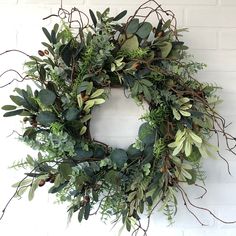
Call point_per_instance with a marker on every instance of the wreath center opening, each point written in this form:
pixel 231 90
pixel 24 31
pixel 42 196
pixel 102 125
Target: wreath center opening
pixel 117 121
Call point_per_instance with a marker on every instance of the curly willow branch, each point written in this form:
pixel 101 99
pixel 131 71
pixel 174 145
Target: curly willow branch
pixel 188 202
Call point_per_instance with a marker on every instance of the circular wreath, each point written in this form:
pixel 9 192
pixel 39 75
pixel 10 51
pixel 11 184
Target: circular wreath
pixel 74 72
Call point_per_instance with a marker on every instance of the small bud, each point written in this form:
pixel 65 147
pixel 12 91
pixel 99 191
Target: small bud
pixel 42 182
pixel 46 52
pixel 41 53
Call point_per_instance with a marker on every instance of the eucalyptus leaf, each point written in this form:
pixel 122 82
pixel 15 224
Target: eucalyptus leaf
pixel 46 118
pixel 72 114
pixel 131 43
pixel 165 48
pixel 119 157
pixel 133 26
pixel 144 30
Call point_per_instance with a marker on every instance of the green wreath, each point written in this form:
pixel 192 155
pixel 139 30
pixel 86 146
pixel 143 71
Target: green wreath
pixel 74 72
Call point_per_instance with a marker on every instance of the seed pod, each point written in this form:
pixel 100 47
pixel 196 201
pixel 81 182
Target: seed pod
pixel 86 199
pixel 41 53
pixel 42 182
pixel 46 52
pixel 52 179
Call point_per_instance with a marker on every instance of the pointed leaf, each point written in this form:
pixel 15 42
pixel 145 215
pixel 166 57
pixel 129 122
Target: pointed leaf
pixel 176 114
pixel 187 148
pixel 120 15
pixel 47 34
pixel 8 107
pixel 195 137
pixel 87 211
pixel 185 113
pixel 13 113
pixel 93 17
pixel 98 101
pixel 97 93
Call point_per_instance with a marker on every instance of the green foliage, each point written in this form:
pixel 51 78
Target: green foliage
pixel 74 74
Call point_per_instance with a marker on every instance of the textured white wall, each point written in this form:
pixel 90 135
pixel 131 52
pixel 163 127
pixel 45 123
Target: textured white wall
pixel 211 37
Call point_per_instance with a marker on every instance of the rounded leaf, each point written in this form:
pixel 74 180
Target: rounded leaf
pixel 144 30
pixel 133 152
pixel 46 118
pixel 47 97
pixel 130 44
pixel 132 26
pixel 72 114
pixel 119 157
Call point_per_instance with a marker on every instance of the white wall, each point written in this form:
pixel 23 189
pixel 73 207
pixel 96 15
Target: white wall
pixel 212 39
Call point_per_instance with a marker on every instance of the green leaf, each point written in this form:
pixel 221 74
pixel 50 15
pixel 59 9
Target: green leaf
pixel 165 49
pixel 187 148
pixel 47 97
pixel 146 82
pixel 13 113
pixel 144 30
pixel 83 130
pixel 97 93
pixel 84 154
pixel 65 170
pixel 46 118
pixel 18 100
pixel 47 34
pixel 57 189
pixel 186 174
pixel 119 157
pixel 133 152
pixel 72 114
pixel 195 137
pixel 193 180
pixel 80 100
pixel 99 152
pixel 9 107
pixel 82 87
pixel 147 94
pixel 120 15
pixel 128 224
pixel 89 105
pixel 98 101
pixel 81 214
pixel 177 149
pixel 93 17
pixel 185 113
pixel 195 155
pixel 86 118
pixel 42 74
pixel 132 26
pixel 176 114
pixel 87 211
pixel 131 44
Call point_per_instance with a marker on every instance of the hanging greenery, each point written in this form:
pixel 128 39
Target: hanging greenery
pixel 74 71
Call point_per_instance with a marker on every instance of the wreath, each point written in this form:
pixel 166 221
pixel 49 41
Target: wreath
pixel 74 72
